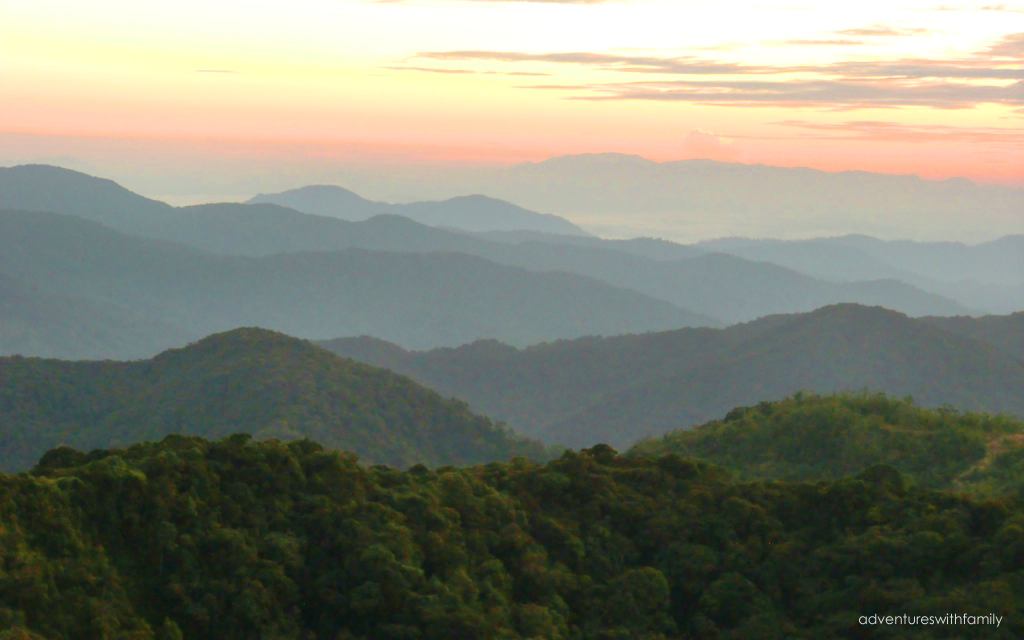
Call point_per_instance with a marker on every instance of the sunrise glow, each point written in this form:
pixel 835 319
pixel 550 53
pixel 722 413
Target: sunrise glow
pixel 915 88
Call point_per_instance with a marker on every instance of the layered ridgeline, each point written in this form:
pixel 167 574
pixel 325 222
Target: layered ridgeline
pixel 248 380
pixel 809 437
pixel 470 213
pixel 49 188
pixel 751 199
pixel 420 300
pixel 731 288
pixel 38 323
pixel 233 540
pixel 620 389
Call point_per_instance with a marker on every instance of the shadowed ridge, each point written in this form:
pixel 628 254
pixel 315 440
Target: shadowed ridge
pixel 246 380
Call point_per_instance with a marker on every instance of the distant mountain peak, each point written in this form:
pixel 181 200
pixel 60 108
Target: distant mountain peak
pixel 603 160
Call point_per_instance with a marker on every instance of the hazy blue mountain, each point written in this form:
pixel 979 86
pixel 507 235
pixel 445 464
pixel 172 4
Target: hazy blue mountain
pixel 36 323
pixel 738 290
pixel 324 200
pixel 997 262
pixel 822 258
pixel 654 248
pixel 713 286
pixel 631 192
pixel 420 300
pixel 246 380
pixel 619 389
pixel 47 188
pixel 986 277
pixel 470 213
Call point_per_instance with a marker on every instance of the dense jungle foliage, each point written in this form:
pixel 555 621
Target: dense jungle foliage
pixel 238 539
pixel 813 437
pixel 251 380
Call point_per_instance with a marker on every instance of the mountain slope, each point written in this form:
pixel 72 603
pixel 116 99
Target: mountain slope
pixel 48 188
pixel 619 389
pixel 246 380
pixel 416 299
pixel 808 438
pixel 616 190
pixel 470 213
pixel 837 348
pixel 35 323
pixel 1006 333
pixel 713 286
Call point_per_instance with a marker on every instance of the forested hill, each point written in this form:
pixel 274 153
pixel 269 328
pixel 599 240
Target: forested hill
pixel 808 437
pixel 248 380
pixel 619 389
pixel 236 540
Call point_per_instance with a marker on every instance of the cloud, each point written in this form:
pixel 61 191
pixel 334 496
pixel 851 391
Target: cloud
pixel 1001 7
pixel 989 7
pixel 824 42
pixel 465 71
pixel 836 94
pixel 921 69
pixel 1009 46
pixel 430 70
pixel 984 77
pixel 682 65
pixel 701 143
pixel 215 71
pixel 884 131
pixel 883 30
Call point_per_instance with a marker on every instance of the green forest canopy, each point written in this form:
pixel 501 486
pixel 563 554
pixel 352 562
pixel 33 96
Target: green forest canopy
pixel 238 539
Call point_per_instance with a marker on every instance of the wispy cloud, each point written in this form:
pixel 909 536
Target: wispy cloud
pixel 681 65
pixel 701 143
pixel 431 70
pixel 1009 46
pixel 822 42
pixel 983 77
pixel 835 94
pixel 880 130
pixel 879 30
pixel 989 7
pixel 464 71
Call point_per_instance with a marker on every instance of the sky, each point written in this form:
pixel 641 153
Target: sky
pixel 194 100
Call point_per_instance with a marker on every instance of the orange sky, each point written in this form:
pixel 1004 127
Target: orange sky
pixel 919 88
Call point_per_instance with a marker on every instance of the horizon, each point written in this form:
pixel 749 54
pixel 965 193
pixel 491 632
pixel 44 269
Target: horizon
pixel 444 188
pixel 406 100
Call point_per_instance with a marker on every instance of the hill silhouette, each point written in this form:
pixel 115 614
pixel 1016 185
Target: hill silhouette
pixel 246 380
pixel 36 323
pixel 809 437
pixel 469 213
pixel 720 289
pixel 623 388
pixel 752 199
pixel 420 300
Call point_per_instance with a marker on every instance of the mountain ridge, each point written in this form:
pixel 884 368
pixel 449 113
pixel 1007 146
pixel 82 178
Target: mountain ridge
pixel 619 389
pixel 251 380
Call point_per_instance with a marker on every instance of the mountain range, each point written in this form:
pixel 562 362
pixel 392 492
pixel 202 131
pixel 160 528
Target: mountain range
pixel 246 380
pixel 711 284
pixel 626 194
pixel 469 213
pixel 417 299
pixel 620 389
